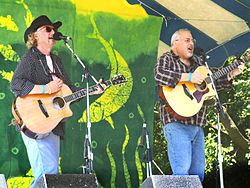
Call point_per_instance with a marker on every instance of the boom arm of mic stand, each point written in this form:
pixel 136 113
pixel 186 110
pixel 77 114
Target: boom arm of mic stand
pixel 84 67
pixel 216 94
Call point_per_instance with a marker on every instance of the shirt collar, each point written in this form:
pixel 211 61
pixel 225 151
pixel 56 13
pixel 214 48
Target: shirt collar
pixel 174 55
pixel 34 49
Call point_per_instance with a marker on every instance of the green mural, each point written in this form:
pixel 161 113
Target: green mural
pixel 113 98
pixel 109 45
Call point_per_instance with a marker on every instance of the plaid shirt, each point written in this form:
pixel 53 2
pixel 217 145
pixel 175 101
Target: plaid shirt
pixel 168 72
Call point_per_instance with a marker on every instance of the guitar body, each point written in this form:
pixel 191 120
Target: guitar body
pixel 186 99
pixel 42 112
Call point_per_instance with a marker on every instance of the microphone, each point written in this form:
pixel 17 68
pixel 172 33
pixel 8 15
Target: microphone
pixel 143 134
pixel 59 36
pixel 199 51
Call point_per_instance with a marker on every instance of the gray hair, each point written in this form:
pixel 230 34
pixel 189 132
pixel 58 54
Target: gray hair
pixel 176 35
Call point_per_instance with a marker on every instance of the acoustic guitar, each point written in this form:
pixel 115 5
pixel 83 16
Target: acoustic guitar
pixel 42 112
pixel 186 99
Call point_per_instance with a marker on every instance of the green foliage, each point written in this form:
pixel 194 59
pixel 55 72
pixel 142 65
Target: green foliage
pixel 212 152
pixel 237 99
pixel 160 155
pixel 247 155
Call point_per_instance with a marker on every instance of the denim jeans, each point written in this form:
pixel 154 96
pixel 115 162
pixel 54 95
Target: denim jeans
pixel 186 149
pixel 43 155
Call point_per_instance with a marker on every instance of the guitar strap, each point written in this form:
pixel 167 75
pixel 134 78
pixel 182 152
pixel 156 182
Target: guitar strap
pixel 18 120
pixel 57 69
pixel 57 72
pixel 162 102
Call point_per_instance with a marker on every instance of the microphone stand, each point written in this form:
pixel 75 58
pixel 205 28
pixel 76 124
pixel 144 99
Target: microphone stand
pixel 88 155
pixel 218 108
pixel 148 155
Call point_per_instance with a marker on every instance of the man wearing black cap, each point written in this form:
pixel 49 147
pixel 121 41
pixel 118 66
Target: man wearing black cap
pixel 41 72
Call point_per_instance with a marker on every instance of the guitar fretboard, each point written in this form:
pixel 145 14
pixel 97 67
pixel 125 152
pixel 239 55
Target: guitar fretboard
pixel 226 70
pixel 83 92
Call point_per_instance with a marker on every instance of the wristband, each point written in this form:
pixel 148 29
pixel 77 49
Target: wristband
pixel 190 77
pixel 43 89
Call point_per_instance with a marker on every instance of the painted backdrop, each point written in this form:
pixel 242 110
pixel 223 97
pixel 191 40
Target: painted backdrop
pixel 111 37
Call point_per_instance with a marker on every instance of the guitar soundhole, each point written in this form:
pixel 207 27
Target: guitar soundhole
pixel 202 86
pixel 58 103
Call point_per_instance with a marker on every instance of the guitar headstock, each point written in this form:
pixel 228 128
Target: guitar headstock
pixel 237 60
pixel 245 59
pixel 118 80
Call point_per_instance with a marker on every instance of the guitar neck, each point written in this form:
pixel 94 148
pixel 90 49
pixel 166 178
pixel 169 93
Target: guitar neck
pixel 83 92
pixel 228 69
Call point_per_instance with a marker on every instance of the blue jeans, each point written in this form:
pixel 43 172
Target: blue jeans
pixel 43 155
pixel 186 149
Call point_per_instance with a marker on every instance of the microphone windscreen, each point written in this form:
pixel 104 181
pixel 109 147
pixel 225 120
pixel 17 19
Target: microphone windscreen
pixel 57 35
pixel 198 51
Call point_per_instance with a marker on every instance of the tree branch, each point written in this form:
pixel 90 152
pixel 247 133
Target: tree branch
pixel 234 132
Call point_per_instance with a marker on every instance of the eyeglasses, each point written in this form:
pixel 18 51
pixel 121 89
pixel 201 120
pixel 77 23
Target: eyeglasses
pixel 48 29
pixel 189 40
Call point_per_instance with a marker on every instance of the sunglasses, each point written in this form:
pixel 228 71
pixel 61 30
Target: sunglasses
pixel 48 29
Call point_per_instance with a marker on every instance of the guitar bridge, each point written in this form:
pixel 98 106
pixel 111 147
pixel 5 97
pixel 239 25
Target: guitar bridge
pixel 199 94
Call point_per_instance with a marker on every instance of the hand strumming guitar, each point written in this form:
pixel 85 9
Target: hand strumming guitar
pixel 54 86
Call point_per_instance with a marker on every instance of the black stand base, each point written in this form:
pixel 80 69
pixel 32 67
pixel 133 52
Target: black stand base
pixel 66 181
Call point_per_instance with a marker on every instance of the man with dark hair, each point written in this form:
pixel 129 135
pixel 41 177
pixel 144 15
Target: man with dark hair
pixel 41 72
